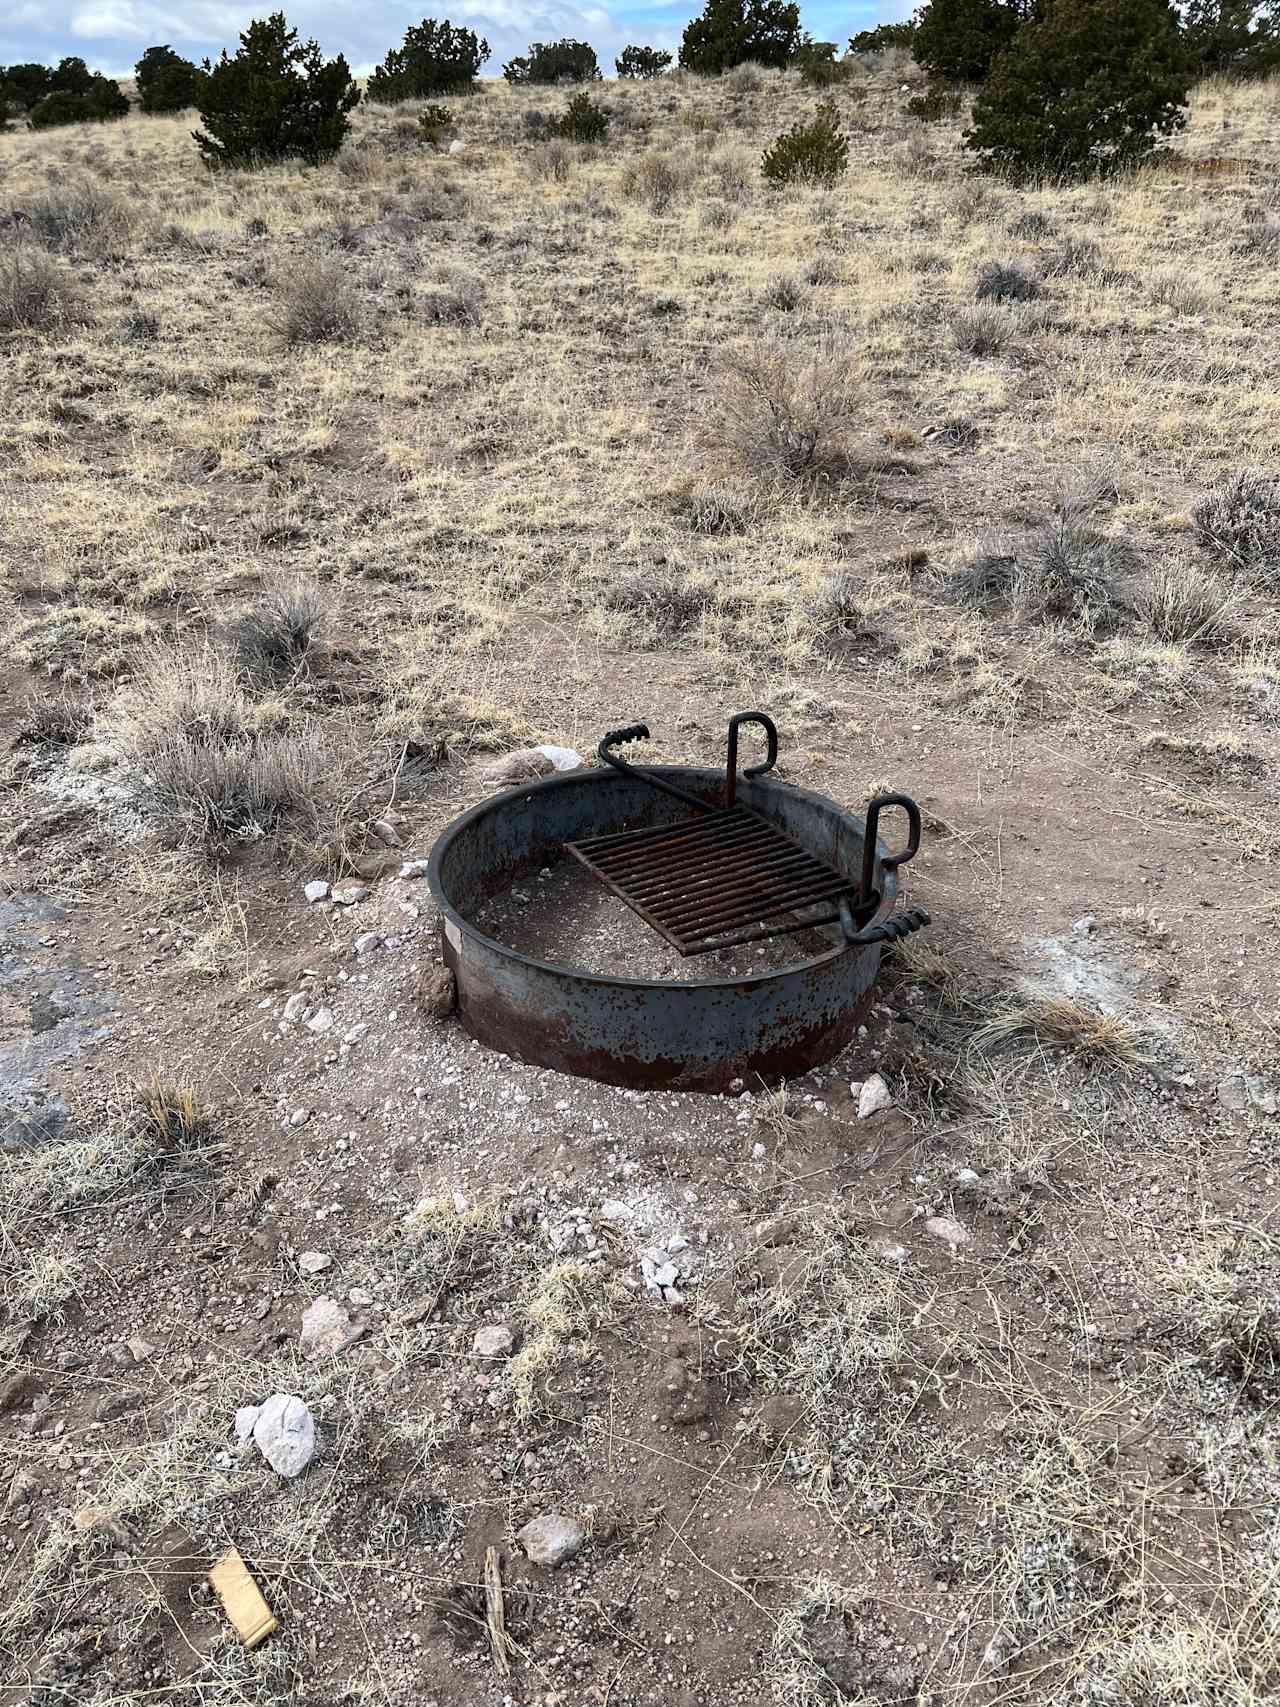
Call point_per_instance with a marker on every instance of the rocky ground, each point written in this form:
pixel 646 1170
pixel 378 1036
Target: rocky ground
pixel 946 1373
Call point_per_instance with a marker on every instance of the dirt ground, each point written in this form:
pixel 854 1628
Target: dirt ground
pixel 971 1400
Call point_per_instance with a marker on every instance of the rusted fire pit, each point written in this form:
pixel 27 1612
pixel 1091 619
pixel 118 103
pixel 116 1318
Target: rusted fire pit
pixel 709 860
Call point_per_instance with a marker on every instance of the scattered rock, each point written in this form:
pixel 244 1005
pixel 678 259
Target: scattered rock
pixel 118 1404
pixel 316 890
pixel 551 1539
pixel 297 1007
pixel 17 1390
pixel 614 1209
pixel 942 1227
pixel 22 1490
pixel 520 766
pixel 415 868
pixel 891 1251
pixel 314 1262
pixel 1240 1092
pixel 968 1176
pixel 874 1095
pixel 436 991
pixel 321 1021
pixel 684 1397
pixel 141 1351
pixel 367 943
pixel 1085 925
pixel 357 1033
pixel 351 894
pixel 283 1431
pixel 326 1329
pixel 300 1117
pixel 495 1341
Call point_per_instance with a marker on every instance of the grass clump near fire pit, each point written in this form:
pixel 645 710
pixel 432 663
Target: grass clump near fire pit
pixel 1062 1023
pixel 558 1315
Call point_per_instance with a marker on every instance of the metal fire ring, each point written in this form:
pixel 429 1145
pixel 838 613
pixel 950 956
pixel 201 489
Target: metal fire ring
pixel 629 1031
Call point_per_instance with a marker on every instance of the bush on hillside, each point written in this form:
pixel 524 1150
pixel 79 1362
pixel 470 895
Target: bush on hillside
pixel 817 64
pixel 435 121
pixel 731 32
pixel 273 99
pixel 565 61
pixel 934 105
pixel 642 62
pixel 167 83
pixel 584 121
pixel 1087 87
pixel 815 153
pixel 958 39
pixel 102 100
pixel 436 59
pixel 883 37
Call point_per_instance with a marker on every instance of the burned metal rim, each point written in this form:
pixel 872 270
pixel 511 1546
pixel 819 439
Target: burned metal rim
pixel 675 1033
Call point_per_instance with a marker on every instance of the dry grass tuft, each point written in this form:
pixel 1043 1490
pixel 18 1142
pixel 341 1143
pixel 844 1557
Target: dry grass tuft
pixel 1240 521
pixel 38 293
pixel 783 416
pixel 278 638
pixel 316 303
pixel 1185 603
pixel 1063 1023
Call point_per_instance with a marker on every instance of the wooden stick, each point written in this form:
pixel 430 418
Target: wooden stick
pixel 495 1612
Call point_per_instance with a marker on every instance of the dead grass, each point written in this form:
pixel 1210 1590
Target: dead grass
pixel 784 415
pixel 1062 1023
pixel 38 293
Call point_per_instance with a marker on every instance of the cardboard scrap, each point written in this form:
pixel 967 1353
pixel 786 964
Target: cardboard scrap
pixel 242 1598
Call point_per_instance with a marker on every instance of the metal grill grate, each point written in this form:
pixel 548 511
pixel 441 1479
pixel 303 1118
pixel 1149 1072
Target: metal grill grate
pixel 711 882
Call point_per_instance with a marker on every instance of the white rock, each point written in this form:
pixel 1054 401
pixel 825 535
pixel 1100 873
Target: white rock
pixel 494 1341
pixel 300 1117
pixel 942 1227
pixel 316 890
pixel 284 1433
pixel 141 1351
pixel 563 758
pixel 321 1020
pixel 415 868
pixel 314 1262
pixel 357 1033
pixel 1085 925
pixel 614 1209
pixel 351 894
pixel 874 1095
pixel 967 1176
pixel 894 1253
pixel 855 1088
pixel 326 1328
pixel 297 1007
pixel 457 147
pixel 551 1539
pixel 246 1416
pixel 665 1274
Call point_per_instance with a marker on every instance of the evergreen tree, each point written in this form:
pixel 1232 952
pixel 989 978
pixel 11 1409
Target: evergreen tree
pixel 730 32
pixel 167 83
pixel 1085 87
pixel 642 62
pixel 565 61
pixel 436 59
pixel 958 39
pixel 1237 37
pixel 274 98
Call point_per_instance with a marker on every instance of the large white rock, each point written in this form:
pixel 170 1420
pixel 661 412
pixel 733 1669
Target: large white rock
pixel 874 1095
pixel 283 1431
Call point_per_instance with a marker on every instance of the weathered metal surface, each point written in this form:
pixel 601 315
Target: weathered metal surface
pixel 678 1035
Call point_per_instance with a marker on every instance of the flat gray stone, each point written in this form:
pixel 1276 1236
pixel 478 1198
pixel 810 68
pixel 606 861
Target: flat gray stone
pixel 874 1095
pixel 326 1328
pixel 497 1340
pixel 551 1539
pixel 316 890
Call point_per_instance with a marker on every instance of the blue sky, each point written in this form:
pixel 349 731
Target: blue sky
pixel 111 34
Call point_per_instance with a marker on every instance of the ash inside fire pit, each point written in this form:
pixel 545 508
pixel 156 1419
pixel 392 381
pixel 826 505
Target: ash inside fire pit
pixel 564 915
